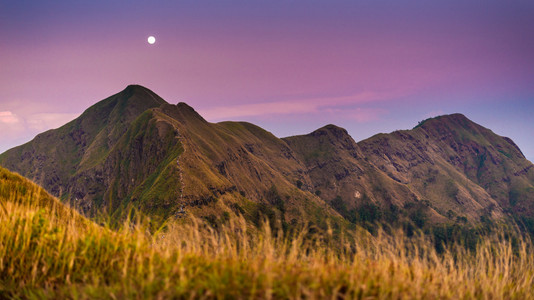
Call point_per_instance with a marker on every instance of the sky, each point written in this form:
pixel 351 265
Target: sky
pixel 289 66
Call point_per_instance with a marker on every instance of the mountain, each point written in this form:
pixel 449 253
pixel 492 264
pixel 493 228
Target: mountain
pixel 134 150
pixel 447 169
pixel 340 173
pixel 459 166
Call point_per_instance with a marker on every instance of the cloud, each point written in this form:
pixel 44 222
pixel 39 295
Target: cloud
pixel 256 109
pixel 360 115
pixel 16 129
pixel 301 106
pixel 8 117
pixel 12 130
pixel 45 121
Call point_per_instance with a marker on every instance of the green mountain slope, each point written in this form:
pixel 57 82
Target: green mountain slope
pixel 340 173
pixel 446 170
pixel 459 166
pixel 53 157
pixel 134 150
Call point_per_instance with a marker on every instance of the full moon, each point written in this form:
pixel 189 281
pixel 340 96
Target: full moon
pixel 151 40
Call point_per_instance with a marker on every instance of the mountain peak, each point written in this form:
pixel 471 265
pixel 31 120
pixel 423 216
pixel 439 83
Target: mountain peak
pixel 125 105
pixel 183 112
pixel 464 128
pixel 331 129
pixel 457 118
pixel 188 111
pixel 452 120
pixel 183 105
pixel 135 86
pixel 135 91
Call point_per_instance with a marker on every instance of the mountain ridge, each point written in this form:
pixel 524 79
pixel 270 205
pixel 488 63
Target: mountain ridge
pixel 133 149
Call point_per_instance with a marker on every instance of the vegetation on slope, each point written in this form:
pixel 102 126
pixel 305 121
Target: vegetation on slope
pixel 461 168
pixel 134 150
pixel 49 251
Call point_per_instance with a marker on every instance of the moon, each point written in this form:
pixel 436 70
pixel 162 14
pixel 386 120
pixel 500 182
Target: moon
pixel 151 40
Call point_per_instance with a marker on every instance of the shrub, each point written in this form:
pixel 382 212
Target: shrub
pixel 339 205
pixel 418 217
pixel 274 198
pixel 369 212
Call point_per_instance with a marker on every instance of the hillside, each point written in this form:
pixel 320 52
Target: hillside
pixel 462 168
pixel 339 172
pixel 17 192
pixel 446 170
pixel 134 150
pixel 49 251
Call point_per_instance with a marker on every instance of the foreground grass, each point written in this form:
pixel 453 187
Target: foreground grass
pixel 49 251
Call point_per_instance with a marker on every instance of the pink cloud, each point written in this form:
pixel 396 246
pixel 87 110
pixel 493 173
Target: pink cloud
pixel 12 128
pixel 8 117
pixel 360 115
pixel 45 121
pixel 303 106
pixel 16 128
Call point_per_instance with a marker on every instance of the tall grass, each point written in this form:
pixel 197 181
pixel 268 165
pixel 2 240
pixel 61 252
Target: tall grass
pixel 48 251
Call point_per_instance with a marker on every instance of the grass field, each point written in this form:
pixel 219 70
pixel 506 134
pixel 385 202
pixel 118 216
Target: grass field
pixel 49 251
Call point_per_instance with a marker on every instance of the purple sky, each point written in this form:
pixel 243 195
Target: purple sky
pixel 289 66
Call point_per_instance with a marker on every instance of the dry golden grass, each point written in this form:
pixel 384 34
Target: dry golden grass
pixel 48 251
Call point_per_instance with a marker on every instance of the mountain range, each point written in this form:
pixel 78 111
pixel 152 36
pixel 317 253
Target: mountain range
pixel 135 150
